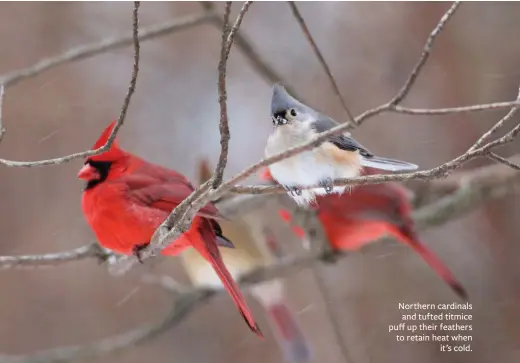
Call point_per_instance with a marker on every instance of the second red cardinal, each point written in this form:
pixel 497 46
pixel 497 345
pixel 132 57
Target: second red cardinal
pixel 368 213
pixel 126 198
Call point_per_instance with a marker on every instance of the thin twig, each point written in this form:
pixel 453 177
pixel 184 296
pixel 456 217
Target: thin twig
pixel 54 259
pixel 119 342
pixel 228 36
pixel 222 100
pixel 317 52
pixel 234 30
pixel 500 159
pixel 403 92
pixel 120 120
pixel 497 126
pixel 475 191
pixel 108 44
pixel 332 316
pixel 450 110
pixel 260 65
pixel 135 72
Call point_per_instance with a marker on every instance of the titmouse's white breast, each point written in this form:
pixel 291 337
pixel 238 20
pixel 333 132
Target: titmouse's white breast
pixel 309 167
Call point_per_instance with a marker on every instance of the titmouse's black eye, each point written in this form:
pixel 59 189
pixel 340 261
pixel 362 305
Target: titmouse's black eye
pixel 292 111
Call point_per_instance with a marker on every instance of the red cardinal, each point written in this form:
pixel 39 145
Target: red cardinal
pixel 126 198
pixel 367 213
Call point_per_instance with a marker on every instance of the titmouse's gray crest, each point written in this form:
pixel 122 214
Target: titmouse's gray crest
pixel 341 156
pixel 282 103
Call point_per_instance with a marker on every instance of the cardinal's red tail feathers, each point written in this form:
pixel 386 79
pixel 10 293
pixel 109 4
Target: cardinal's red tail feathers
pixel 288 333
pixel 437 265
pixel 206 246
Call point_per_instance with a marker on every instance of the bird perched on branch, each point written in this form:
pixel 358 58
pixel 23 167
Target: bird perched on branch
pixel 367 214
pixel 126 199
pixel 340 156
pixel 255 246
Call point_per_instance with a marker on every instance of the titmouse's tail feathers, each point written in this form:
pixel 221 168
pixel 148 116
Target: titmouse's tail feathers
pixel 378 162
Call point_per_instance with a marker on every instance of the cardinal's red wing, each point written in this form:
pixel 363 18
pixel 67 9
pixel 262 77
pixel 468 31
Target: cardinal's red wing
pixel 163 194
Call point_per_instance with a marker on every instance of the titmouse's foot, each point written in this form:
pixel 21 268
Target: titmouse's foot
pixel 136 250
pixel 328 185
pixel 293 190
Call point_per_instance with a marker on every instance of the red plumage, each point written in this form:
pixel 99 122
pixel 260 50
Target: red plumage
pixel 368 213
pixel 127 198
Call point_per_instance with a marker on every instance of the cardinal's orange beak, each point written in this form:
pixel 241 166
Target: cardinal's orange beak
pixel 88 172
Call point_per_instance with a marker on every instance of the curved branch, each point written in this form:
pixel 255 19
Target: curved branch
pixel 299 18
pixel 504 161
pixel 89 50
pixel 96 48
pixel 476 189
pixel 115 343
pixel 403 92
pixel 54 259
pixel 228 36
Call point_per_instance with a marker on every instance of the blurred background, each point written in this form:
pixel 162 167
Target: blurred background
pixel 173 120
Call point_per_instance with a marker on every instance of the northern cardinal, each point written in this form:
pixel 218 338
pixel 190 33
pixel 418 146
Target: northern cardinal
pixel 368 213
pixel 255 246
pixel 126 198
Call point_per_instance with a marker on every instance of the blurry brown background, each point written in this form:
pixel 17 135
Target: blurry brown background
pixel 173 119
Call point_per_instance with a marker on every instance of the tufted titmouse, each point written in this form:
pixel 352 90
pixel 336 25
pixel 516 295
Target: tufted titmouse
pixel 340 157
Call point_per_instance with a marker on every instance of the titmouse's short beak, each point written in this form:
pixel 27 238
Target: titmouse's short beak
pixel 88 172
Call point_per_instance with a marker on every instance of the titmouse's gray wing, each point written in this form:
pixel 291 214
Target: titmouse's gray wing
pixel 342 141
pixel 347 143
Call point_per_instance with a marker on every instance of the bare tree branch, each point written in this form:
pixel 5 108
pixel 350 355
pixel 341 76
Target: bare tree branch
pixel 92 250
pixel 447 208
pixel 480 187
pixel 228 36
pixel 451 110
pixel 233 32
pixel 500 159
pixel 317 52
pixel 108 44
pixel 495 180
pixel 120 120
pixel 260 65
pixel 181 217
pixel 475 191
pixel 333 318
pixel 403 92
pixel 497 126
pixel 222 100
pixel 119 342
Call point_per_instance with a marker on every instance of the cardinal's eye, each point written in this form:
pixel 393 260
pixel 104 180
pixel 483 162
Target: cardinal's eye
pixel 292 112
